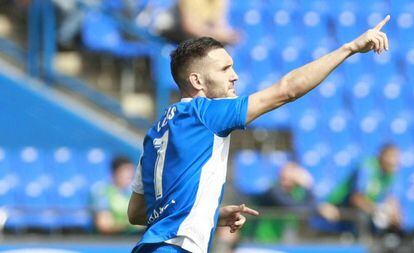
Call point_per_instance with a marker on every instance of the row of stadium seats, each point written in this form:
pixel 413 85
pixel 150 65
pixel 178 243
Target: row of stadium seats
pixel 279 35
pixel 50 188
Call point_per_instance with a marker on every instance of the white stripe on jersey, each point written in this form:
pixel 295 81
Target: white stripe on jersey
pixel 200 220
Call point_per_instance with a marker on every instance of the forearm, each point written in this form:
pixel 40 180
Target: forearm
pixel 296 83
pixel 362 203
pixel 136 210
pixel 301 80
pixel 138 219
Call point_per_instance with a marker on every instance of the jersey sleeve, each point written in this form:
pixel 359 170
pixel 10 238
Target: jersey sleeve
pixel 223 115
pixel 137 186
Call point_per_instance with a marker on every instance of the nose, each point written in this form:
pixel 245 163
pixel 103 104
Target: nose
pixel 234 76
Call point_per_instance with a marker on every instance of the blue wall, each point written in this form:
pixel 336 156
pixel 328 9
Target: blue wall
pixel 34 116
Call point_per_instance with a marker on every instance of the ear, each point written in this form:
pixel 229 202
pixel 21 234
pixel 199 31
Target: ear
pixel 196 81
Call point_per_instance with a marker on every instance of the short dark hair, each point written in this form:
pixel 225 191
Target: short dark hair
pixel 387 146
pixel 118 161
pixel 186 52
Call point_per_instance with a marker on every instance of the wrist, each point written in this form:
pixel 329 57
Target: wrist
pixel 348 48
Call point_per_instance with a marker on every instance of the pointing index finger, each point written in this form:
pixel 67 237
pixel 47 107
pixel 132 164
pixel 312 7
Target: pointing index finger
pixel 382 23
pixel 250 211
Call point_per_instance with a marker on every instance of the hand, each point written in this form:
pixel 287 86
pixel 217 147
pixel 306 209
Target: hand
pixel 232 216
pixel 373 39
pixel 329 212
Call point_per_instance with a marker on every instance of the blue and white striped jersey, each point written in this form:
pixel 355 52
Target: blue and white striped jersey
pixel 183 169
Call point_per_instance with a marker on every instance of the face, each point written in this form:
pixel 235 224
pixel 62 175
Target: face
pixel 123 175
pixel 389 159
pixel 218 75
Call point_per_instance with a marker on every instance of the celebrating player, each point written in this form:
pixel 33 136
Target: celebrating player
pixel 179 182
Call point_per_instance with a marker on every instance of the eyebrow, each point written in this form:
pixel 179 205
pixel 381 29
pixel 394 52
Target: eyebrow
pixel 227 66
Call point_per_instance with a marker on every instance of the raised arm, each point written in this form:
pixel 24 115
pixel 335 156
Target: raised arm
pixel 301 80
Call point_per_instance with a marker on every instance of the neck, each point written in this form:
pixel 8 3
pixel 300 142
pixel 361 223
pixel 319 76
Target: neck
pixel 192 94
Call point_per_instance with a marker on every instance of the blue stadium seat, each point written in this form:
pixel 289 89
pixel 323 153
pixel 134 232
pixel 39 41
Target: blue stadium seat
pixel 399 127
pixel 19 219
pixel 405 24
pixel 339 129
pixel 80 218
pixel 394 95
pixel 261 62
pixel 307 129
pixel 245 85
pixel 34 180
pixel 294 54
pixel 329 96
pixel 32 208
pixel 370 127
pixel 322 46
pixel 314 157
pixel 275 160
pixel 407 156
pixel 252 24
pixel 70 191
pixel 321 6
pixel 100 33
pixel 354 68
pixel 376 11
pixel 95 163
pixel 250 176
pixel 338 166
pixel 51 192
pixel 362 95
pixel 348 24
pixel 237 11
pixel 282 21
pixel 384 65
pixel 8 179
pixel 408 57
pixel 279 119
pixel 314 26
pixel 401 6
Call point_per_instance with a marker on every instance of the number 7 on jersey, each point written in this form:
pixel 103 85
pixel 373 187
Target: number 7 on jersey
pixel 161 145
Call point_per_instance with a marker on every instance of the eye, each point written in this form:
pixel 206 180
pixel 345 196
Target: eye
pixel 226 68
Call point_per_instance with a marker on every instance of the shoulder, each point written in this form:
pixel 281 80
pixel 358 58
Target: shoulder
pixel 370 166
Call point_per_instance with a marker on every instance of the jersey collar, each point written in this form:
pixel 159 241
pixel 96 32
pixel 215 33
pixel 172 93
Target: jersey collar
pixel 186 99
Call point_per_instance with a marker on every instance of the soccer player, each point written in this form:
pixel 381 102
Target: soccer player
pixel 179 181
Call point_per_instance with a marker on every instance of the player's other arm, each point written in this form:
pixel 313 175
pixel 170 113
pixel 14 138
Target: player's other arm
pixel 136 209
pixel 301 80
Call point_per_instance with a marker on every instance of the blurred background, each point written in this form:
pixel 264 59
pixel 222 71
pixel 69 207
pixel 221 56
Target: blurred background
pixel 82 80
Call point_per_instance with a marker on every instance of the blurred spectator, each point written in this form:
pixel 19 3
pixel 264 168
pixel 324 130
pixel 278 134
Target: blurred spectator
pixel 329 218
pixel 292 190
pixel 110 202
pixel 374 183
pixel 197 18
